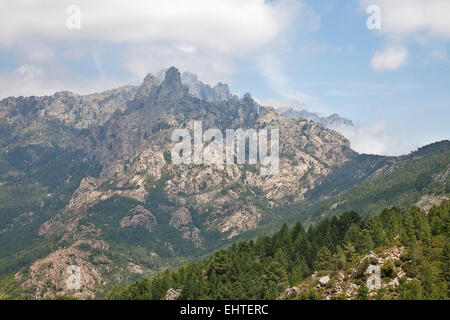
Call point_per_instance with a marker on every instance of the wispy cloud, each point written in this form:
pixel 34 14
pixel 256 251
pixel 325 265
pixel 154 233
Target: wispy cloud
pixel 403 18
pixel 408 21
pixel 29 79
pixel 203 36
pixel 389 59
pixel 272 68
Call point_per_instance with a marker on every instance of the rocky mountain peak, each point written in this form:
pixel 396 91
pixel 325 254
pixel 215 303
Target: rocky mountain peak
pixel 64 94
pixel 188 77
pixel 267 110
pixel 157 92
pixel 171 88
pixel 150 81
pixel 222 91
pixel 172 74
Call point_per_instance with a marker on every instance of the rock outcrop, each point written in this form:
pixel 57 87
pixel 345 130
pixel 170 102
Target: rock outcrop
pixel 140 217
pixel 383 270
pixel 172 294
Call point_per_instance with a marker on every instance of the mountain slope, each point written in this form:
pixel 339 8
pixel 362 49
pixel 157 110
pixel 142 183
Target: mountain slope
pixel 102 193
pixel 398 181
pixel 329 261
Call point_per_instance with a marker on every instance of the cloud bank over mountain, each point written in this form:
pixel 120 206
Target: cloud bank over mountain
pixel 206 37
pixel 372 138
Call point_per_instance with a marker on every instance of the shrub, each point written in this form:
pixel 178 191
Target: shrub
pixel 410 269
pixel 363 292
pixel 388 270
pixel 361 269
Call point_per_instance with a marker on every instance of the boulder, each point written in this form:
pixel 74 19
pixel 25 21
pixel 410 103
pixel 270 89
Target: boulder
pixel 172 294
pixel 324 280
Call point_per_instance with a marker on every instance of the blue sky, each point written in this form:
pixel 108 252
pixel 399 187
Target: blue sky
pixel 393 82
pixel 331 66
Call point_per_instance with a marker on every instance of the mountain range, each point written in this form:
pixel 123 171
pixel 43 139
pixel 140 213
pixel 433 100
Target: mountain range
pixel 88 181
pixel 333 121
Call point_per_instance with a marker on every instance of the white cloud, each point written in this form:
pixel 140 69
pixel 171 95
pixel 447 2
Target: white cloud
pixel 285 103
pixel 28 80
pixel 405 21
pixel 28 72
pixel 273 70
pixel 402 18
pixel 40 54
pixel 375 138
pixel 203 36
pixel 227 25
pixel 389 59
pixel 209 65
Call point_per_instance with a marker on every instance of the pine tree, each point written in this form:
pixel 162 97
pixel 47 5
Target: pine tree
pixel 323 258
pixel 340 258
pixel 363 292
pixel 410 290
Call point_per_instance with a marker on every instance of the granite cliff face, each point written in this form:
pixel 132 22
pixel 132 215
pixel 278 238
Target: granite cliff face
pixel 69 108
pixel 220 92
pixel 133 147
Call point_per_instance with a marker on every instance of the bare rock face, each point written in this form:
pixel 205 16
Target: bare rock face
pixel 345 283
pixel 70 108
pixel 134 268
pixel 150 82
pixel 172 294
pixel 308 153
pixel 171 88
pixel 180 218
pixel 324 280
pixel 140 217
pixel 429 201
pixel 333 121
pixel 220 92
pixel 49 276
pixel 241 220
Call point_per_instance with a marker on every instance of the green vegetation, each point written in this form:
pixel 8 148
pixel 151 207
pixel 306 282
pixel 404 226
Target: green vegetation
pixel 359 185
pixel 407 180
pixel 38 181
pixel 264 268
pixel 49 178
pixel 10 289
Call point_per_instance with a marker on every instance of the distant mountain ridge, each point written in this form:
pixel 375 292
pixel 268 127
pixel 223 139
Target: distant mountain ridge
pixel 331 122
pixel 220 92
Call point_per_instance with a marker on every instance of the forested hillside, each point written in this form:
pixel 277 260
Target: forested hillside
pixel 370 183
pixel 340 246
